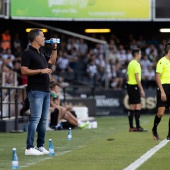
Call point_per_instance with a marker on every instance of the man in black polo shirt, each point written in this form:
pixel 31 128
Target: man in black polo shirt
pixel 34 64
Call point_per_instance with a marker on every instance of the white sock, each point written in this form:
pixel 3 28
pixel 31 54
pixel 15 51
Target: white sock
pixel 79 122
pixel 58 124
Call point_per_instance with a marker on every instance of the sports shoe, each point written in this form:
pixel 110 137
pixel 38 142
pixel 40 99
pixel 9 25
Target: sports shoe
pixel 132 129
pixel 33 151
pixel 155 135
pixel 57 128
pixel 43 150
pixel 140 129
pixel 84 125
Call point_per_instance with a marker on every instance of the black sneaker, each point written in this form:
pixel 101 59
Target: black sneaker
pixel 132 129
pixel 59 127
pixel 168 137
pixel 140 129
pixel 155 135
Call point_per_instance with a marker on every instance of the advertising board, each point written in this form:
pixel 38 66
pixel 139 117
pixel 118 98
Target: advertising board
pixel 112 102
pixel 81 9
pixel 161 10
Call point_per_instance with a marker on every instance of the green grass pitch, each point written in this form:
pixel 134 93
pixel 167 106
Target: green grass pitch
pixel 108 147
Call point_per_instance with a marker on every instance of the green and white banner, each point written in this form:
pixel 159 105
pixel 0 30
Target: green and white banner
pixel 81 9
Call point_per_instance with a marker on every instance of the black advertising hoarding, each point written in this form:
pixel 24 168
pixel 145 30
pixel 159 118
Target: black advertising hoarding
pixel 161 10
pixel 111 102
pixel 117 102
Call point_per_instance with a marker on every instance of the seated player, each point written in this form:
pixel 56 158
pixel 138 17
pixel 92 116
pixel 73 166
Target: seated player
pixel 61 113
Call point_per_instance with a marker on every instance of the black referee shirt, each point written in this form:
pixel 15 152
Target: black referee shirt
pixel 34 60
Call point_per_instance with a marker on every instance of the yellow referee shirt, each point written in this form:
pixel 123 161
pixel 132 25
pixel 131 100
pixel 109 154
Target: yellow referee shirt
pixel 163 67
pixel 133 68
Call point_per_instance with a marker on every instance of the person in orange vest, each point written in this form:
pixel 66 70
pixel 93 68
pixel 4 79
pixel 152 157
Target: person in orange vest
pixel 6 40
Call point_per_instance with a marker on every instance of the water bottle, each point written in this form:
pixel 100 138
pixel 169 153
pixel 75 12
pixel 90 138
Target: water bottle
pixel 52 41
pixel 69 134
pixel 14 159
pixel 51 148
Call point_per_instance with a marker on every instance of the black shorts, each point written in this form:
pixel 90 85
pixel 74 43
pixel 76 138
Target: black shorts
pixel 134 94
pixel 160 103
pixel 54 118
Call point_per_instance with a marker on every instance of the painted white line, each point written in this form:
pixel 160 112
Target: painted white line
pixel 56 154
pixel 33 163
pixel 146 156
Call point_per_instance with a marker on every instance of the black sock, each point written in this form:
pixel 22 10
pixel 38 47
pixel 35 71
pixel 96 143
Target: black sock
pixel 137 117
pixel 156 122
pixel 130 117
pixel 169 128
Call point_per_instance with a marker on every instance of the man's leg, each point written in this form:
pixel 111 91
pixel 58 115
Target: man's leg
pixel 41 129
pixel 130 117
pixel 168 137
pixel 75 122
pixel 35 114
pixel 71 119
pixel 131 114
pixel 62 113
pixel 133 96
pixel 36 101
pixel 157 120
pixel 137 118
pixel 54 118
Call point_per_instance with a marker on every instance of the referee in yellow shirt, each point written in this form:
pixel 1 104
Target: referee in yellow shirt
pixel 135 91
pixel 163 90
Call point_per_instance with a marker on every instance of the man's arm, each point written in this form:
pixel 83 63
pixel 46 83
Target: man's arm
pixel 28 72
pixel 53 104
pixel 158 81
pixel 53 56
pixel 139 85
pixel 127 78
pixel 58 98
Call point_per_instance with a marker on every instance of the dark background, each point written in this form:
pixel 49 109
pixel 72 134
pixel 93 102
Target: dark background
pixel 149 29
pixel 162 8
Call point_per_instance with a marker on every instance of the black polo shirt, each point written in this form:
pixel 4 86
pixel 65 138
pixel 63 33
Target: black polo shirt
pixel 34 60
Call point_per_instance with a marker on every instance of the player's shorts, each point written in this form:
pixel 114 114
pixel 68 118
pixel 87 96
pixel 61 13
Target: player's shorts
pixel 134 94
pixel 160 103
pixel 54 118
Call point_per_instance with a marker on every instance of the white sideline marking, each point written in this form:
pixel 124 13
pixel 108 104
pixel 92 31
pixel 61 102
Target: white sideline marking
pixel 58 154
pixel 146 156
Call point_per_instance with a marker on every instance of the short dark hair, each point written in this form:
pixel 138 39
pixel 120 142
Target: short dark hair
pixel 135 51
pixel 33 33
pixel 167 47
pixel 53 84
